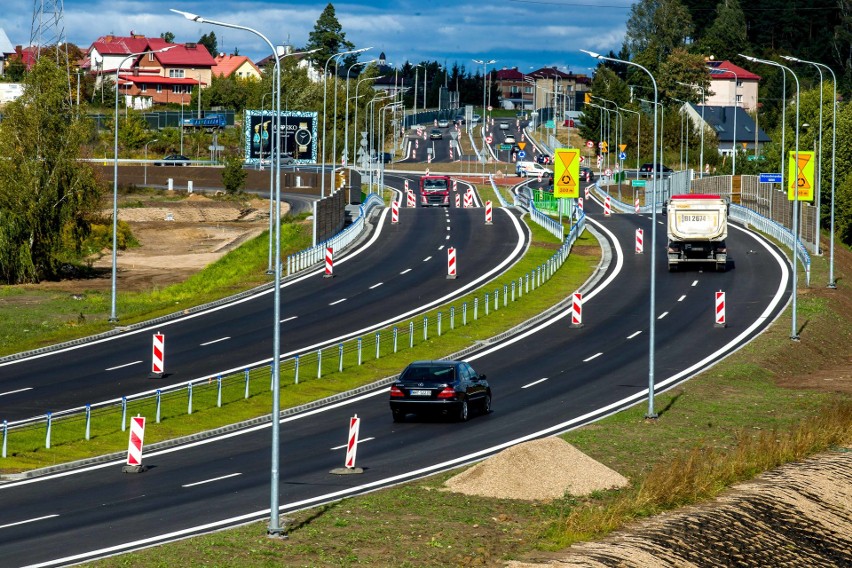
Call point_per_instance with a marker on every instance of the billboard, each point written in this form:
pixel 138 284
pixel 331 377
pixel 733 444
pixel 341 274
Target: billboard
pixel 298 135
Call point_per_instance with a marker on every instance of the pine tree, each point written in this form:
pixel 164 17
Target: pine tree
pixel 727 36
pixel 328 37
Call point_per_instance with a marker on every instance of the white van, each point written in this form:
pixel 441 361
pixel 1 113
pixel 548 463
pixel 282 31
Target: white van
pixel 525 169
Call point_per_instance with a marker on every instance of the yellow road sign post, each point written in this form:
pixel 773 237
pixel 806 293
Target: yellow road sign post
pixel 803 181
pixel 566 172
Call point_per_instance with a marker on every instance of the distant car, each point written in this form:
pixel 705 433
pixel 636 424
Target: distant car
pixel 459 120
pixel 543 159
pixel 436 134
pixel 387 157
pixel 287 159
pixel 443 123
pixel 173 160
pixel 447 388
pixel 476 118
pixel 504 126
pixel 510 139
pixel 646 170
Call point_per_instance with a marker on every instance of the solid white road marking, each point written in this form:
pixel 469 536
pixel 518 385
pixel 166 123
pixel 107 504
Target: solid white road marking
pixel 215 341
pixel 360 441
pixel 534 383
pixel 211 480
pixel 682 298
pixel 662 315
pixel 27 521
pixel 406 270
pixel 376 285
pixel 123 366
pixel 634 334
pixel 288 319
pixel 595 356
pixel 337 301
pixel 15 391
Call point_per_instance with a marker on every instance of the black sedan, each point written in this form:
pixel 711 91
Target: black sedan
pixel 436 134
pixel 173 160
pixel 646 170
pixel 448 388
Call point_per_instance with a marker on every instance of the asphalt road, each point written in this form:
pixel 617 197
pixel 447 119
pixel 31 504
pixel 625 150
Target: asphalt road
pixel 547 380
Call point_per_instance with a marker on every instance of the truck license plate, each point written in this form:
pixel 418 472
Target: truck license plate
pixel 420 393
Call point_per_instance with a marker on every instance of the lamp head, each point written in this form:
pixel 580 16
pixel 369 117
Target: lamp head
pixel 748 57
pixel 791 58
pixel 188 16
pixel 592 53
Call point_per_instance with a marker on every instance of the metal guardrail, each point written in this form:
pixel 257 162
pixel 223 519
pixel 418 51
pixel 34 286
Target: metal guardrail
pixel 307 258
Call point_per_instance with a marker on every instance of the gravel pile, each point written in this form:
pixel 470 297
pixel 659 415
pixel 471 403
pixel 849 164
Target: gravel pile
pixel 542 469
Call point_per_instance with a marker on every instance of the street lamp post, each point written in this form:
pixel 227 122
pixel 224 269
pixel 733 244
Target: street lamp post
pixel 112 315
pixel 736 106
pixel 701 161
pixel 145 177
pixel 355 134
pixel 484 93
pixel 794 253
pixel 346 120
pixel 638 136
pixel 831 282
pixel 274 529
pixel 324 99
pixel 390 107
pixel 650 414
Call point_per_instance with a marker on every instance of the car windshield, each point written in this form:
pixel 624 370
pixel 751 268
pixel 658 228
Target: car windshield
pixel 431 373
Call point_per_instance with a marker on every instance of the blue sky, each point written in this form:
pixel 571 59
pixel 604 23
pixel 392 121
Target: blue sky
pixel 526 34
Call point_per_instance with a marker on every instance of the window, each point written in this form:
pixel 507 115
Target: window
pixel 159 88
pixel 176 89
pixel 143 88
pixel 150 57
pixel 739 99
pixel 176 73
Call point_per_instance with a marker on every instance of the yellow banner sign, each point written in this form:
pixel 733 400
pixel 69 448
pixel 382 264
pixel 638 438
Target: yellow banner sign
pixel 566 172
pixel 802 182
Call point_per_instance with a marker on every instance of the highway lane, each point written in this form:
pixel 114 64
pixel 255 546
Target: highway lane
pixel 547 380
pixel 403 271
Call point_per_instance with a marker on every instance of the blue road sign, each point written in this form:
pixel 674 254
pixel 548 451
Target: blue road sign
pixel 622 156
pixel 522 155
pixel 770 178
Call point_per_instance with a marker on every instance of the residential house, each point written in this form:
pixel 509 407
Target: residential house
pixel 164 77
pixel 544 87
pixel 721 119
pixel 513 91
pixel 731 85
pixel 238 66
pixel 7 50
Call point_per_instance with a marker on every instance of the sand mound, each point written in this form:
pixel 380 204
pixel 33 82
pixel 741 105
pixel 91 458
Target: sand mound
pixel 536 470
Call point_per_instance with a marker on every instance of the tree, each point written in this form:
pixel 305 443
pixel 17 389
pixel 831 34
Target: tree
pixel 683 67
pixel 328 38
pixel 655 28
pixel 728 35
pixel 209 41
pixel 234 175
pixel 168 37
pixel 46 195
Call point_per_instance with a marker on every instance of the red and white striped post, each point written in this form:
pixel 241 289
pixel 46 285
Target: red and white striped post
pixel 577 310
pixel 329 263
pixel 451 153
pixel 158 356
pixel 586 192
pixel 539 177
pixel 720 310
pixel 395 212
pixel 468 199
pixel 134 446
pixel 451 263
pixel 580 203
pixel 640 245
pixel 410 198
pixel 352 443
pixel 636 205
pixel 406 185
pixel 607 207
pixel 455 185
pixel 487 212
pixel 458 201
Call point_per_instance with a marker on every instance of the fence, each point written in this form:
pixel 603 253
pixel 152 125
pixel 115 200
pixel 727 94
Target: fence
pixel 216 391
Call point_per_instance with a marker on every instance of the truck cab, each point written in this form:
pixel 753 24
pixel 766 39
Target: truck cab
pixel 435 191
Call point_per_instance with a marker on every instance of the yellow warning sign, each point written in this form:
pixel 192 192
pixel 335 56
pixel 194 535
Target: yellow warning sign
pixel 622 147
pixel 522 145
pixel 803 180
pixel 566 172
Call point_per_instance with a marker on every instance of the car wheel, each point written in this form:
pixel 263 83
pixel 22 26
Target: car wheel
pixel 463 411
pixel 398 415
pixel 486 404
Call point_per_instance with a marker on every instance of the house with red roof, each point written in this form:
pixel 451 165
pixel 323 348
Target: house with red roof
pixel 151 78
pixel 731 85
pixel 239 66
pixel 536 89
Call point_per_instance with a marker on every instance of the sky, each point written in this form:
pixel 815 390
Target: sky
pixel 527 34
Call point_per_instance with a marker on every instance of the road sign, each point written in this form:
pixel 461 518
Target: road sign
pixel 488 139
pixel 622 156
pixel 566 172
pixel 770 178
pixel 490 108
pixel 522 145
pixel 522 155
pixel 590 144
pixel 548 124
pixel 638 182
pixel 607 172
pixel 803 181
pixel 505 147
pixel 622 147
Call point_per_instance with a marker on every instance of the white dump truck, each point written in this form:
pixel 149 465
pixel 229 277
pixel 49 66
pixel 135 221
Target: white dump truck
pixel 697 229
